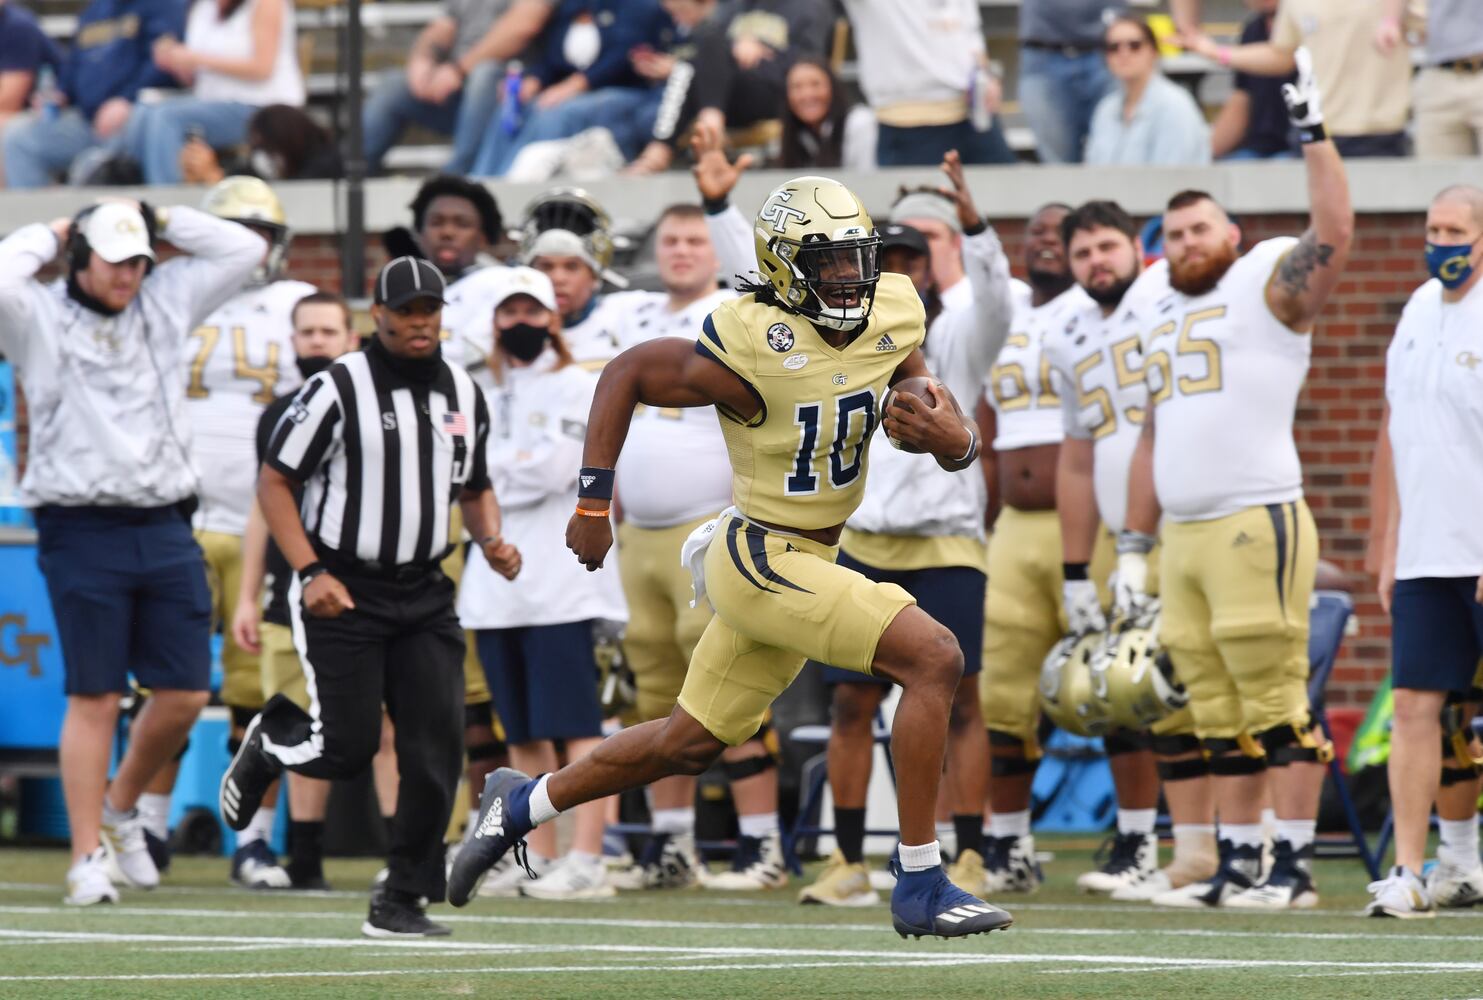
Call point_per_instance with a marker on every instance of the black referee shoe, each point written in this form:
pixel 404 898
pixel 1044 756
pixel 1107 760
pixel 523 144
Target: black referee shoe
pixel 394 916
pixel 247 778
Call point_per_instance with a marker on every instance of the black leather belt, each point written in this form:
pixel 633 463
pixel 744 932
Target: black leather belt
pixel 1472 64
pixel 1067 49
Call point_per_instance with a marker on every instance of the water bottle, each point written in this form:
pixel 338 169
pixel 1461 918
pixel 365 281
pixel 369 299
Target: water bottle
pixel 511 115
pixel 979 82
pixel 47 93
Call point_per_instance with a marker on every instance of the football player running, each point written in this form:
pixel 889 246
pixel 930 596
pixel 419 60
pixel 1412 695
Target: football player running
pixel 793 369
pixel 1023 618
pixel 1099 356
pixel 1239 544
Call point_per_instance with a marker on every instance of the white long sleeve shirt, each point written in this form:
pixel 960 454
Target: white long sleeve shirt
pixel 104 393
pixel 537 425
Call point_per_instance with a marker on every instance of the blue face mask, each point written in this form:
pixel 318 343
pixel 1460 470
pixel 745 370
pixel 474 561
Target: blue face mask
pixel 1450 264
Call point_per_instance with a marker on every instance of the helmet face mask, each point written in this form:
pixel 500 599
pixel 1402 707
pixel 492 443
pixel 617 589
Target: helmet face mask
pixel 818 249
pixel 1067 683
pixel 574 211
pixel 1133 678
pixel 251 202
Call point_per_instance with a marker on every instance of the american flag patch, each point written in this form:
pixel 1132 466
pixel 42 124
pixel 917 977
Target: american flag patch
pixel 455 423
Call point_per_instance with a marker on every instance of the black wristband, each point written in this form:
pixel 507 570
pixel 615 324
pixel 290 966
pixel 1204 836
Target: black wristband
pixel 977 227
pixel 309 572
pixel 715 206
pixel 594 484
pixel 1311 133
pixel 1074 571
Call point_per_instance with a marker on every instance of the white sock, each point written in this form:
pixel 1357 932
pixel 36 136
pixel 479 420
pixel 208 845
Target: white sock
pixel 673 821
pixel 586 858
pixel 1459 846
pixel 260 827
pixel 1015 824
pixel 541 809
pixel 1269 822
pixel 1297 832
pixel 921 858
pixel 1242 834
pixel 1136 820
pixel 760 825
pixel 154 809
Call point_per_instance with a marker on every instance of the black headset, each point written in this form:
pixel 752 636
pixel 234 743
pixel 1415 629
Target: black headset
pixel 77 250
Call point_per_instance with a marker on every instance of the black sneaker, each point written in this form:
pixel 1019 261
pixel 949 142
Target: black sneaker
pixel 247 778
pixel 393 916
pixel 159 851
pixel 1240 869
pixel 306 878
pixel 499 831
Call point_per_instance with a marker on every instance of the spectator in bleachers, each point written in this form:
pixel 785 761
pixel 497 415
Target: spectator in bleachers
pixel 24 49
pixel 238 56
pixel 1366 116
pixel 110 61
pixel 1148 119
pixel 587 52
pixel 453 78
pixel 1062 72
pixel 1449 89
pixel 283 144
pixel 925 72
pixel 742 56
pixel 820 129
pixel 1253 123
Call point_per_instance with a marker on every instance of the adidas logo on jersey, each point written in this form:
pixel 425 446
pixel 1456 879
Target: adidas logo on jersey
pixel 493 823
pixel 885 343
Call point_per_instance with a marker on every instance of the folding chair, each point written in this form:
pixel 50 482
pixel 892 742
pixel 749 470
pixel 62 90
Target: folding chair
pixel 1327 618
pixel 815 777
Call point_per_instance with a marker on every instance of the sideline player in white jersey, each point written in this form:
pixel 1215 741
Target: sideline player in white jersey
pixel 236 363
pixel 1023 617
pixel 1099 356
pixel 1239 544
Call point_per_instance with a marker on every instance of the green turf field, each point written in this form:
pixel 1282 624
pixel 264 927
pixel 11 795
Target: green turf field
pixel 197 937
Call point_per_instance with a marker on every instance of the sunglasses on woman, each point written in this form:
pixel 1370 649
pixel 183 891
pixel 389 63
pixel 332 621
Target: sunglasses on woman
pixel 1131 44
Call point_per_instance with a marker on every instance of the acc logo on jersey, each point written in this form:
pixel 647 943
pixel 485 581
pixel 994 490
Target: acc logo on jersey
pixel 793 362
pixel 780 337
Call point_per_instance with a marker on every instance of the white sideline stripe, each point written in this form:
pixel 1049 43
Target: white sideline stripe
pixel 644 924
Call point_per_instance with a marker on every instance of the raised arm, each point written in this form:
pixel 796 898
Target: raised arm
pixel 668 371
pixel 1304 278
pixel 220 257
pixel 715 177
pixel 22 254
pixel 977 334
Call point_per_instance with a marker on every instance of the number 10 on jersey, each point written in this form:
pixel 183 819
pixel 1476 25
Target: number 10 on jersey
pixel 854 420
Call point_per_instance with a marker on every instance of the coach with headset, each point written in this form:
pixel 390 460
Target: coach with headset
pixel 110 478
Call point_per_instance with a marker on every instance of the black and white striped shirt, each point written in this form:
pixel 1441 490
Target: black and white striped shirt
pixel 382 459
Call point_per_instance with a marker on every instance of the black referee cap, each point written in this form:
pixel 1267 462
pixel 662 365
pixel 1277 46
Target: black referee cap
pixel 896 234
pixel 407 279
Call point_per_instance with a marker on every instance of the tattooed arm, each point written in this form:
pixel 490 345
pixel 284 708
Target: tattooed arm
pixel 1305 277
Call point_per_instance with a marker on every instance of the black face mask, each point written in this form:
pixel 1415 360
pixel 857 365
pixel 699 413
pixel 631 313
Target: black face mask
pixel 310 367
pixel 524 342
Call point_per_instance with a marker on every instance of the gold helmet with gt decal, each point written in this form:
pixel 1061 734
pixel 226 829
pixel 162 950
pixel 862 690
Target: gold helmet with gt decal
pixel 249 201
pixel 1133 679
pixel 1066 681
pixel 818 249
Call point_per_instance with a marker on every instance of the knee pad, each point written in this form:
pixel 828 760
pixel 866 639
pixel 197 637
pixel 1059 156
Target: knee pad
pixel 1296 742
pixel 1008 765
pixel 768 737
pixel 1121 741
pixel 1229 757
pixel 750 767
pixel 242 717
pixel 1183 770
pixel 1458 775
pixel 1458 741
pixel 1175 745
pixel 480 715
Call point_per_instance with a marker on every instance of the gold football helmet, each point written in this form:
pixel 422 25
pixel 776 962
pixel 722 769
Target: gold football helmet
pixel 818 249
pixel 1066 694
pixel 1133 678
pixel 251 202
pixel 587 230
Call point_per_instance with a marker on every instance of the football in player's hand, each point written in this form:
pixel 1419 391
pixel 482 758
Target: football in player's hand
pixel 922 388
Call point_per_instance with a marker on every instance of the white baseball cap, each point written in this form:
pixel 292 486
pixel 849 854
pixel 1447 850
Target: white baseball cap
pixel 116 232
pixel 526 281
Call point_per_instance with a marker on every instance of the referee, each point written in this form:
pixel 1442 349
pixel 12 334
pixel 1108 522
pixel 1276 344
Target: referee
pixel 382 444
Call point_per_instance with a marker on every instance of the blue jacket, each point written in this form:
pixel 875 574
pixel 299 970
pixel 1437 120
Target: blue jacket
pixel 111 52
pixel 621 25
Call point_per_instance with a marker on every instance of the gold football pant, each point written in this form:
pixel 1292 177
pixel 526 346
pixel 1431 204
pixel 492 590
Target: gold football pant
pixel 242 684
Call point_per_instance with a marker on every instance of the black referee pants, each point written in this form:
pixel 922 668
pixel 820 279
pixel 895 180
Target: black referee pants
pixel 400 645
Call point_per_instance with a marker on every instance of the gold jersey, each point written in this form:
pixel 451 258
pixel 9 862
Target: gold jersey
pixel 801 460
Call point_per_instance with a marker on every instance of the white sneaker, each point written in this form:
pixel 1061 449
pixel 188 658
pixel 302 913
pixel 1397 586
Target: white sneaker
pixel 505 880
pixel 1288 885
pixel 88 882
pixel 1134 858
pixel 1156 884
pixel 1400 894
pixel 571 878
pixel 122 835
pixel 669 861
pixel 1452 888
pixel 758 864
pixel 255 867
pixel 1010 865
pixel 1240 869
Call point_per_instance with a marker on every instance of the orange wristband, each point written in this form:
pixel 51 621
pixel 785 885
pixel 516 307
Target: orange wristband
pixel 584 512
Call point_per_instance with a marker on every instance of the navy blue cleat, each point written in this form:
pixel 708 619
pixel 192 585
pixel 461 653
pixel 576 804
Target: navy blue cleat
pixel 504 820
pixel 927 904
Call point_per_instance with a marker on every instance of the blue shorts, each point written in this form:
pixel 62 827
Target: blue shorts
pixel 1436 633
pixel 954 595
pixel 543 679
pixel 128 589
